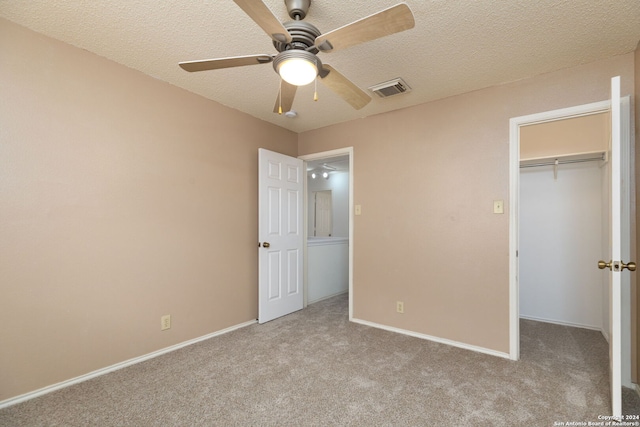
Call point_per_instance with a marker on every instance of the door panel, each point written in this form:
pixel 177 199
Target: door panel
pixel 274 275
pixel 294 270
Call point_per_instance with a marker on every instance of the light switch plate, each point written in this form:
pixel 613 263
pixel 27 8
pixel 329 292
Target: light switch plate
pixel 498 206
pixel 358 210
pixel 165 322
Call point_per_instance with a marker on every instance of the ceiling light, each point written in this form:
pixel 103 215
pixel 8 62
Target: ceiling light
pixel 325 175
pixel 297 67
pixel 313 175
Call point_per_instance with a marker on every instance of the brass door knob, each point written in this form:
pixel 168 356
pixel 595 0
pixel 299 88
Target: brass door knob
pixel 630 266
pixel 602 265
pixel 266 245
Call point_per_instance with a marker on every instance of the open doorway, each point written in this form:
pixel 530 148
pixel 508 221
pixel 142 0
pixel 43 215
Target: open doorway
pixel 517 124
pixel 328 227
pixel 563 199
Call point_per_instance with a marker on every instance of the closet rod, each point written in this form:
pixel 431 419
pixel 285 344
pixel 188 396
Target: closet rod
pixel 562 162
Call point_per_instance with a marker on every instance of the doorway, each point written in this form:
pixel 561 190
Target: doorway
pixel 563 199
pixel 516 125
pixel 328 165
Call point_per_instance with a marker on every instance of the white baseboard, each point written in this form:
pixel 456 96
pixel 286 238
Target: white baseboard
pixel 573 325
pixel 434 339
pixel 328 296
pixel 560 322
pixel 33 394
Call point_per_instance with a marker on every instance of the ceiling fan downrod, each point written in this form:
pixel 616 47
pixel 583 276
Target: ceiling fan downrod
pixel 297 8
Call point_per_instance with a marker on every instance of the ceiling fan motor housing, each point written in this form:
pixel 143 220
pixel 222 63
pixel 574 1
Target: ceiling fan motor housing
pixel 303 36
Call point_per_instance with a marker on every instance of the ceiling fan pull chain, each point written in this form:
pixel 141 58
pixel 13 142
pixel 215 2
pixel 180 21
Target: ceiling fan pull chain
pixel 280 99
pixel 315 92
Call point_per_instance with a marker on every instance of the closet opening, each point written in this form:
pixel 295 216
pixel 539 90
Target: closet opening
pixel 563 221
pixel 572 160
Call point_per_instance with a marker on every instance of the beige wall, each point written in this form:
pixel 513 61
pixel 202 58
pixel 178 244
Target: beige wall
pixel 426 178
pixel 122 199
pixel 577 135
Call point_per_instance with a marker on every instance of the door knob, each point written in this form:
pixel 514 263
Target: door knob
pixel 266 245
pixel 602 265
pixel 630 266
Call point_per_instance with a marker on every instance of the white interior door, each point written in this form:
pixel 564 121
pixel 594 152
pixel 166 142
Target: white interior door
pixel 280 234
pixel 615 265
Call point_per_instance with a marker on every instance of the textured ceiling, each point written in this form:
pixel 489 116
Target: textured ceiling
pixel 455 47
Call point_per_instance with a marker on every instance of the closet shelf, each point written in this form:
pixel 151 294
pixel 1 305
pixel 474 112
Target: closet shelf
pixel 564 159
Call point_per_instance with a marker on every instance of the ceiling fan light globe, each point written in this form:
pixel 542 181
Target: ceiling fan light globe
pixel 297 67
pixel 298 71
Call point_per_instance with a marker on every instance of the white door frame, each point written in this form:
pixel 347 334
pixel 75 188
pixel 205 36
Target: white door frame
pixel 514 201
pixel 318 156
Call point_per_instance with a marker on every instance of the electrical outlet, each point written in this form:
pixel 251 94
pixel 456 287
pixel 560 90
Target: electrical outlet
pixel 399 306
pixel 165 322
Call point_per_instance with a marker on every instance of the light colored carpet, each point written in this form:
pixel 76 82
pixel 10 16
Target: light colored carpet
pixel 315 368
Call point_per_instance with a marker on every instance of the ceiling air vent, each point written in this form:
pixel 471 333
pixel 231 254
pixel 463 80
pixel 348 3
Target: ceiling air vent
pixel 390 88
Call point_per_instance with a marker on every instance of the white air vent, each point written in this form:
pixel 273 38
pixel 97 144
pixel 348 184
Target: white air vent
pixel 390 88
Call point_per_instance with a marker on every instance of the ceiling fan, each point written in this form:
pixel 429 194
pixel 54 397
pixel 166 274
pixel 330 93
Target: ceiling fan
pixel 298 44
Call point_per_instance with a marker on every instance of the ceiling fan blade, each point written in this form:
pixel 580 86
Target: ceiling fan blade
pixel 389 21
pixel 285 97
pixel 345 88
pixel 216 64
pixel 260 13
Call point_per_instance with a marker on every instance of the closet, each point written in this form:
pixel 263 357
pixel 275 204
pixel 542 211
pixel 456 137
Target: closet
pixel 563 221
